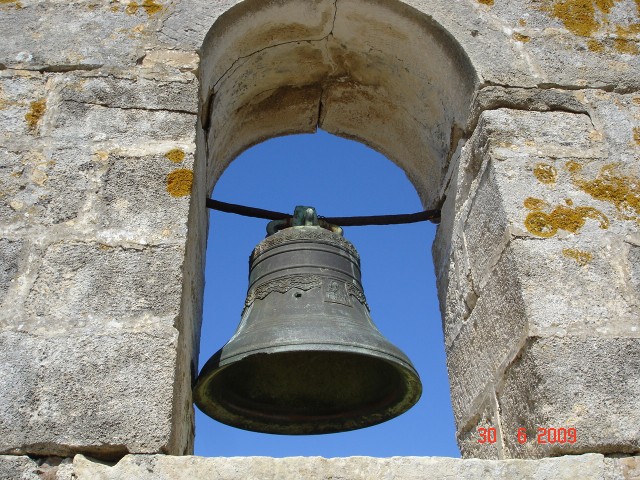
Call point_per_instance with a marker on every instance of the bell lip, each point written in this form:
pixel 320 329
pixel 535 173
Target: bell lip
pixel 307 346
pixel 210 371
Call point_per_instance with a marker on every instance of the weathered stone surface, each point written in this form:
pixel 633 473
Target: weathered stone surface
pixel 107 391
pixel 10 253
pixel 18 468
pixel 627 468
pixel 14 467
pixel 158 467
pixel 589 383
pixel 487 340
pixel 80 283
pixel 126 212
pixel 94 34
pixel 171 95
pixel 509 280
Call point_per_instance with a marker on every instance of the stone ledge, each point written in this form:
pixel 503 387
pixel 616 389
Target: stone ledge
pixel 589 466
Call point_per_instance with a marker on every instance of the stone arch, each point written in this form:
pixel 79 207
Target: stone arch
pixel 379 72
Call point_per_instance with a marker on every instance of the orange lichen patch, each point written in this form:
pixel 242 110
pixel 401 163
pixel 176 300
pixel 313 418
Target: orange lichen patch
pixel 636 135
pixel 621 190
pixel 622 45
pixel 579 256
pixel 545 173
pixel 520 37
pixel 179 182
pixel 534 203
pixel 578 16
pixel 572 220
pixel 540 224
pixel 176 155
pixel 486 2
pixel 522 22
pixel 568 201
pixel 35 113
pixel 605 5
pixel 595 45
pixel 151 7
pixel 572 166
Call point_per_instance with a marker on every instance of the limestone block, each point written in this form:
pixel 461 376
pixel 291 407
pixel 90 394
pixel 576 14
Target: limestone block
pixel 141 199
pixel 122 31
pixel 14 467
pixel 543 240
pixel 487 340
pixel 588 383
pixel 108 128
pixel 45 186
pixel 173 93
pixel 80 284
pixel 625 468
pixel 10 263
pixel 474 442
pixel 108 390
pixel 22 103
pixel 159 467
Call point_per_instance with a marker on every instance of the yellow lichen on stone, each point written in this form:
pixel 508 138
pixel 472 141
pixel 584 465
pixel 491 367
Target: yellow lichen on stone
pixel 595 45
pixel 573 166
pixel 522 22
pixel 578 16
pixel 569 219
pixel 179 182
pixel 621 190
pixel 520 37
pixel 35 113
pixel 623 45
pixel 545 173
pixel 486 2
pixel 175 155
pixel 534 203
pixel 132 8
pixel 151 7
pixel 636 135
pixel 605 5
pixel 540 224
pixel 580 256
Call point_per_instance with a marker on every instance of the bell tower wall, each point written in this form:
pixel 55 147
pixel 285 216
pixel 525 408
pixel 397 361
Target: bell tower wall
pixel 521 120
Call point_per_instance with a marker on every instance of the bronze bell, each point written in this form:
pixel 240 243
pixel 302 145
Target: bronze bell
pixel 306 357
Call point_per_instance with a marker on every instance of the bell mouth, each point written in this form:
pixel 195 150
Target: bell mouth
pixel 306 392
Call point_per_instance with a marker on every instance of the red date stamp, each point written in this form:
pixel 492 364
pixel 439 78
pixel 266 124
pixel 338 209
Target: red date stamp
pixel 548 435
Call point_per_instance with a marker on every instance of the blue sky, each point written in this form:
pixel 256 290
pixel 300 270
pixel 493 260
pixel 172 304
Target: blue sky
pixel 340 178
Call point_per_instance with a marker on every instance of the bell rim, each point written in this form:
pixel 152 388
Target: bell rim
pixel 403 370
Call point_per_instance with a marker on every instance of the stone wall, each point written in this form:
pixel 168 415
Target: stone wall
pixel 160 467
pixel 522 119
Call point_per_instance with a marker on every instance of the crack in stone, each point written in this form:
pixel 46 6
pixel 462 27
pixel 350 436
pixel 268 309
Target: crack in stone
pixel 105 105
pixel 244 57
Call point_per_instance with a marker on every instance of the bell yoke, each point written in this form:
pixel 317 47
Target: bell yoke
pixel 306 357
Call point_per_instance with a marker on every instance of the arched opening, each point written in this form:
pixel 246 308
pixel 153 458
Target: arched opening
pixel 339 177
pixel 378 72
